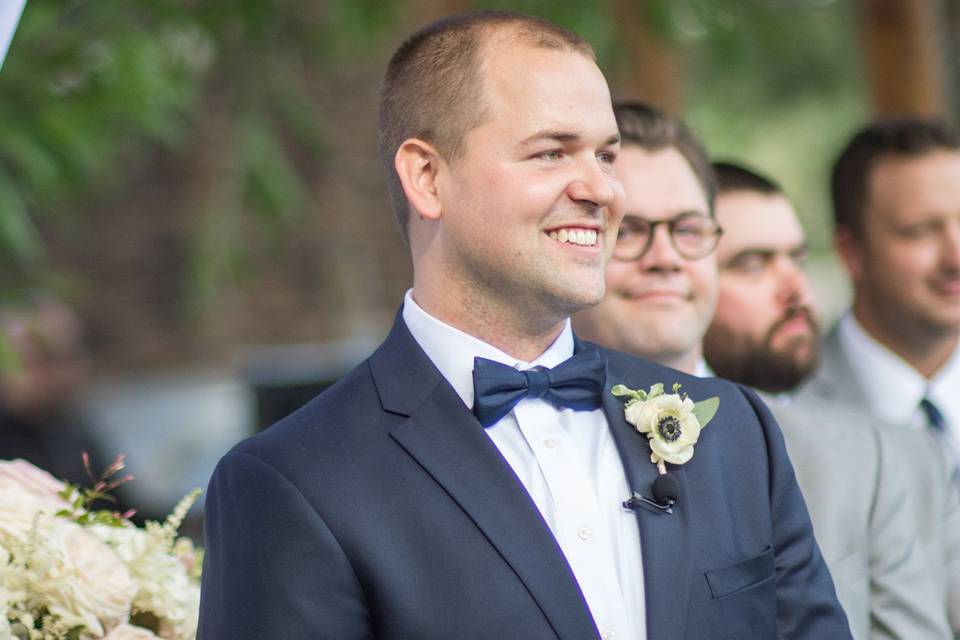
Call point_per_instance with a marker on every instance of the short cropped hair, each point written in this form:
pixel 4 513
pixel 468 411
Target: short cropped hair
pixel 902 137
pixel 736 177
pixel 433 88
pixel 649 128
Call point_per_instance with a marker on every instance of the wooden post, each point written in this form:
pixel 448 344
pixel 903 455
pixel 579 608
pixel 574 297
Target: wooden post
pixel 952 22
pixel 904 56
pixel 652 68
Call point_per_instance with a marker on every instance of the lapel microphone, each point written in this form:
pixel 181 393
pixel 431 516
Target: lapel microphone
pixel 666 493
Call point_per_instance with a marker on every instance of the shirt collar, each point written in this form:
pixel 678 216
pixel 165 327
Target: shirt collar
pixel 892 387
pixel 943 388
pixel 703 370
pixel 452 351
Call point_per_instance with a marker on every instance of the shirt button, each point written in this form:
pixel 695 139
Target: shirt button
pixel 608 635
pixel 550 443
pixel 585 533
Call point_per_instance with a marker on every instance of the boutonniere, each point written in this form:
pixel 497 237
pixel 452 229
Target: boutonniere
pixel 671 421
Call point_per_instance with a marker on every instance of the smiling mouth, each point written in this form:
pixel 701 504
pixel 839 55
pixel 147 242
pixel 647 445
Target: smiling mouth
pixel 579 237
pixel 659 294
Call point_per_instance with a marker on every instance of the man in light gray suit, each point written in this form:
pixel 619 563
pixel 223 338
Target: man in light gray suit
pixel 896 352
pixel 896 204
pixel 764 334
pixel 659 305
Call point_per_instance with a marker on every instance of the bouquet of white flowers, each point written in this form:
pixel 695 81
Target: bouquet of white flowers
pixel 69 572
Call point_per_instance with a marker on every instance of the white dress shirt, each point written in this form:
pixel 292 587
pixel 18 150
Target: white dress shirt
pixel 569 464
pixel 703 370
pixel 893 388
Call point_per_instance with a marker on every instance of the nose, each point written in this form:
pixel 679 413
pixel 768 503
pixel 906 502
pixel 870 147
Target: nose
pixel 794 287
pixel 661 254
pixel 595 184
pixel 951 246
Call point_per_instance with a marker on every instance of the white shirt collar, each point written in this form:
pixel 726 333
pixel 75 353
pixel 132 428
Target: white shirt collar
pixel 944 390
pixel 703 370
pixel 452 351
pixel 892 387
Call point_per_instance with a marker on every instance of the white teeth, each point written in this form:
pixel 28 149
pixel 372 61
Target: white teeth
pixel 583 237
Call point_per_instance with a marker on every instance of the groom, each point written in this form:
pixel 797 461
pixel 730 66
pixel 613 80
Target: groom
pixel 468 480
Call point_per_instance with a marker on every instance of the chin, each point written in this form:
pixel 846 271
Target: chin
pixel 576 304
pixel 580 298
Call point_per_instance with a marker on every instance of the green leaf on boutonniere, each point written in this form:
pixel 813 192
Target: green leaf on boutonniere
pixel 656 390
pixel 705 410
pixel 636 395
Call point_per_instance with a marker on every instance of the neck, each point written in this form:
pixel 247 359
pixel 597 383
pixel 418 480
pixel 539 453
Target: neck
pixel 505 327
pixel 686 362
pixel 923 348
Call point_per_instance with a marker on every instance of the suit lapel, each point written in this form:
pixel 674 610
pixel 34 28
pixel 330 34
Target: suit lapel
pixel 451 446
pixel 663 537
pixel 834 378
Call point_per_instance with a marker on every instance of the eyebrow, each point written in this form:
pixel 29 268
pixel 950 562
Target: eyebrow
pixel 564 136
pixel 765 253
pixel 679 214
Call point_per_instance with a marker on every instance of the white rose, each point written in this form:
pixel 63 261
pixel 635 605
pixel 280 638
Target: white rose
pixel 130 632
pixel 35 481
pixel 19 510
pixel 25 491
pixel 670 425
pixel 83 580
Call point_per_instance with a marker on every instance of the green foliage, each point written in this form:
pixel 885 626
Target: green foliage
pixel 83 81
pixel 776 84
pixel 89 84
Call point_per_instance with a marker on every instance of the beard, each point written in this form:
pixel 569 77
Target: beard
pixel 760 365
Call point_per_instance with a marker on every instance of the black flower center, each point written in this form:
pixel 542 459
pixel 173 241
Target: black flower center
pixel 669 428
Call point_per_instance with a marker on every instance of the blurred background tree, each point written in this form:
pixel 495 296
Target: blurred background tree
pixel 201 175
pixel 92 86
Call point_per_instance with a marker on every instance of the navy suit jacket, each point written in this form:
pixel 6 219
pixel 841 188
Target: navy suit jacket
pixel 382 510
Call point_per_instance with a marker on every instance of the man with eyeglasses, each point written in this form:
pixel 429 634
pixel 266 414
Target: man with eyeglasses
pixel 660 295
pixel 662 289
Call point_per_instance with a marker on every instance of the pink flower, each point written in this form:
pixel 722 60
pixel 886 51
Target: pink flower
pixel 25 491
pixel 37 482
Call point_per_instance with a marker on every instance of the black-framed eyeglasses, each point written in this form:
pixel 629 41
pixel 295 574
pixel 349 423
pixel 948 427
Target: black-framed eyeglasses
pixel 693 235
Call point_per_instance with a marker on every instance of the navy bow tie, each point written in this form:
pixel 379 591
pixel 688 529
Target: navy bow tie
pixel 576 383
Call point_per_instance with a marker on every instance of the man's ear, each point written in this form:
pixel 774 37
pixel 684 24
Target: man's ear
pixel 851 251
pixel 417 164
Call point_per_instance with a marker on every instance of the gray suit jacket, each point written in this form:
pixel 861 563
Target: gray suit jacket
pixel 933 499
pixel 854 492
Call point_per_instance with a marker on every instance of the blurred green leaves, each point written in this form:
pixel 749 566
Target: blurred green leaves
pixel 230 86
pixel 83 82
pixel 90 83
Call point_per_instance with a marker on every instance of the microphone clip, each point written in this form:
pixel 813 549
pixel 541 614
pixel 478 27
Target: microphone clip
pixel 637 500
